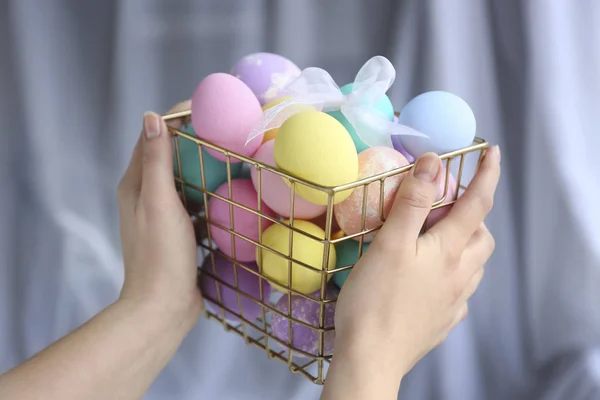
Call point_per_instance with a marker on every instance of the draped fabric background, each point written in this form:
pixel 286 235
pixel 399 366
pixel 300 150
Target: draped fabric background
pixel 76 77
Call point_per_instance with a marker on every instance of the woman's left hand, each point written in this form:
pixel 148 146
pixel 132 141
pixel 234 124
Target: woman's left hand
pixel 159 246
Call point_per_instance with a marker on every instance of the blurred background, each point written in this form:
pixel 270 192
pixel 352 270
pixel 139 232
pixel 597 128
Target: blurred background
pixel 76 77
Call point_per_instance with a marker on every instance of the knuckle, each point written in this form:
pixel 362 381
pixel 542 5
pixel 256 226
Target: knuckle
pixel 464 312
pixel 456 294
pixel 491 243
pixel 486 203
pixel 148 156
pixel 414 199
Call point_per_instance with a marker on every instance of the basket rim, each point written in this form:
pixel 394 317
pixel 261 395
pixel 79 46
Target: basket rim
pixel 478 144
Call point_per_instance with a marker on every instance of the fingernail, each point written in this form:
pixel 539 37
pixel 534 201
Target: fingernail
pixel 427 167
pixel 494 153
pixel 152 125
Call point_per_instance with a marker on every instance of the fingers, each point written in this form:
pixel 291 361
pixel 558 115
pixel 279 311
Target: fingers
pixel 461 314
pixel 413 201
pixel 182 106
pixel 157 173
pixel 471 208
pixel 479 249
pixel 473 283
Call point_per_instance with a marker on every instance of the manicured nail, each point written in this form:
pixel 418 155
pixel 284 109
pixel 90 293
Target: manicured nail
pixel 494 153
pixel 427 167
pixel 152 125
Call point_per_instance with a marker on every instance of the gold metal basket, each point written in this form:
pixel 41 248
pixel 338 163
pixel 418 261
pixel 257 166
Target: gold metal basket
pixel 312 365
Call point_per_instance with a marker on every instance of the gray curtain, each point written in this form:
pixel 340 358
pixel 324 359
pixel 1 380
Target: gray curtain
pixel 76 77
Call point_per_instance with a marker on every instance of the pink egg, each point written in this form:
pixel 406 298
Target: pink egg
pixel 439 213
pixel 372 161
pixel 245 222
pixel 274 191
pixel 224 111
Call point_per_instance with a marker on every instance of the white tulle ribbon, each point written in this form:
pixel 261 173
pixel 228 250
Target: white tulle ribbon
pixel 316 88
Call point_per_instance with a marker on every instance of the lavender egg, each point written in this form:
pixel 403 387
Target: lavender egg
pixel 248 283
pixel 266 74
pixel 305 338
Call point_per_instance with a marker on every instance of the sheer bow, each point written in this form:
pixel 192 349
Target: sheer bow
pixel 315 87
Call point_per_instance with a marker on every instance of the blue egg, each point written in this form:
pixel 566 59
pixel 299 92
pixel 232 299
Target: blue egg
pixel 445 118
pixel 383 107
pixel 346 253
pixel 215 171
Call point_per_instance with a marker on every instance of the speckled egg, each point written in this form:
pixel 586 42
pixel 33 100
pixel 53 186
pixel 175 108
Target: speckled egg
pixel 224 112
pixel 266 74
pixel 276 193
pixel 384 108
pixel 305 249
pixel 215 171
pixel 305 338
pixel 248 284
pixel 439 213
pixel 314 146
pixel 372 161
pixel 346 255
pixel 244 222
pixel 445 118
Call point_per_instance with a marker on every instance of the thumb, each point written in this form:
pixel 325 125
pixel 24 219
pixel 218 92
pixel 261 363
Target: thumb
pixel 414 199
pixel 157 165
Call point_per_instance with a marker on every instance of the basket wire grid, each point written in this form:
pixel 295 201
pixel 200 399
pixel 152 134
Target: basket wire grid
pixel 311 365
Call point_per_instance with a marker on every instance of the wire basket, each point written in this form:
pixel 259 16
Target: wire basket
pixel 283 327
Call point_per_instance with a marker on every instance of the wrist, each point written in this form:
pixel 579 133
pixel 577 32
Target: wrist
pixel 359 371
pixel 174 316
pixel 373 351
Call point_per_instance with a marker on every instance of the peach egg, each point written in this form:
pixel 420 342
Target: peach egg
pixel 372 161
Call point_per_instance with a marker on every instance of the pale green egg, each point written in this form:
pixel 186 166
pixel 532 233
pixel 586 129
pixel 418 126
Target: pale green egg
pixel 384 107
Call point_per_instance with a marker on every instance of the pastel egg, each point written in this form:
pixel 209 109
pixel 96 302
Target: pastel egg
pixel 215 171
pixel 445 118
pixel 266 74
pixel 276 193
pixel 439 213
pixel 305 338
pixel 397 143
pixel 384 108
pixel 248 284
pixel 270 134
pixel 373 161
pixel 346 255
pixel 315 147
pixel 245 222
pixel 305 250
pixel 224 111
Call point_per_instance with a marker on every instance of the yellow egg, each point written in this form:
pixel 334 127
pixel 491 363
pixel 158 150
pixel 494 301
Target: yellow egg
pixel 273 132
pixel 304 249
pixel 316 147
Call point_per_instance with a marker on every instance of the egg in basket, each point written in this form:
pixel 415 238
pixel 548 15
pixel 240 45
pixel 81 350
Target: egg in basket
pixel 288 178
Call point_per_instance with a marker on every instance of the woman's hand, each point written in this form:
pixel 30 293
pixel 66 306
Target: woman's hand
pixel 157 235
pixel 119 352
pixel 407 292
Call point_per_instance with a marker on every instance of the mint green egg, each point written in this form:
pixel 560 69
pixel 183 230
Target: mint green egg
pixel 346 253
pixel 215 171
pixel 384 107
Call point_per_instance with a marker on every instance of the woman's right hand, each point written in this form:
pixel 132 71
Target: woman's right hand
pixel 407 292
